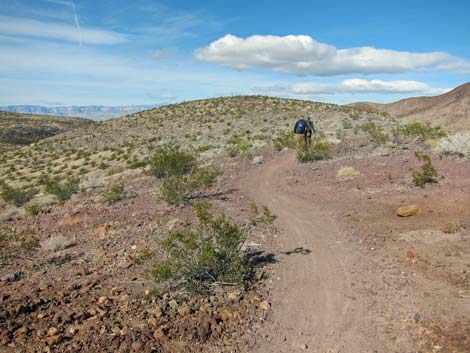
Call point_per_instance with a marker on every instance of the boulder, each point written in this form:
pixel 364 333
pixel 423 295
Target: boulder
pixel 407 211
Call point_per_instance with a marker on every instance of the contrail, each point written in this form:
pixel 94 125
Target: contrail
pixel 77 23
pixel 75 16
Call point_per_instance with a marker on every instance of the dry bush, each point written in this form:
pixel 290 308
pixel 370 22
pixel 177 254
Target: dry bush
pixel 347 173
pixel 458 144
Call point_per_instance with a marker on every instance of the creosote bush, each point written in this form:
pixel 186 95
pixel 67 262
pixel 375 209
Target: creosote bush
pixel 423 131
pixel 64 189
pixel 178 189
pixel 313 151
pixel 427 174
pixel 16 196
pixel 170 160
pixel 376 133
pixel 284 139
pixel 114 194
pixel 196 259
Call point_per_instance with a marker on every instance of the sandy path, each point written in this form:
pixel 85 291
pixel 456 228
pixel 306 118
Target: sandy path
pixel 314 304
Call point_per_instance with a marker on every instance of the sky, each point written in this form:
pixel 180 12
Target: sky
pixel 117 52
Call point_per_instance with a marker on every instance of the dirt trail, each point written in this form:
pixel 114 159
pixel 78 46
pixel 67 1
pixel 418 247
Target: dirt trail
pixel 314 304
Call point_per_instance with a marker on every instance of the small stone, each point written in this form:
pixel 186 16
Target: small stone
pixel 407 211
pixel 184 310
pixel 102 230
pixel 52 340
pixel 410 254
pixel 304 346
pixel 52 331
pixel 102 300
pixel 232 296
pixel 257 160
pixel 264 305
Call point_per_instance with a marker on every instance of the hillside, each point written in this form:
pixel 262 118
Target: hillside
pixel 450 110
pixel 233 245
pixel 23 129
pixel 112 146
pixel 95 112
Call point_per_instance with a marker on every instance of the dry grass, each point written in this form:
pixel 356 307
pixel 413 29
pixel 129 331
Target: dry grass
pixel 347 173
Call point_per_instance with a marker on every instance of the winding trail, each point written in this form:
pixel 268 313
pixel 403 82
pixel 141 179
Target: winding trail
pixel 315 307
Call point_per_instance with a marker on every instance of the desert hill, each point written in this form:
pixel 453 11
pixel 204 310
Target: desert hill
pixel 208 126
pixel 450 110
pixel 23 129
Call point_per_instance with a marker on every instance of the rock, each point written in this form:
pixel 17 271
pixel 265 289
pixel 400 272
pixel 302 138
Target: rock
pixel 159 334
pixel 56 243
pixel 264 305
pixel 410 254
pixel 102 230
pixel 73 218
pixel 52 331
pixel 52 340
pixel 232 296
pixel 184 310
pixel 103 300
pixel 8 215
pixel 225 314
pixel 257 160
pixel 11 277
pixel 304 346
pixel 407 211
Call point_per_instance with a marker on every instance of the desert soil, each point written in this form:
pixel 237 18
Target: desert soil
pixel 351 275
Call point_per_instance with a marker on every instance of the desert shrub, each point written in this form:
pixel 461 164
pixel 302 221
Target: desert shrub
pixel 423 132
pixel 284 139
pixel 34 208
pixel 236 146
pixel 347 124
pixel 16 196
pixel 458 145
pixel 64 189
pixel 347 173
pixel 178 189
pixel 427 174
pixel 267 217
pixel 209 254
pixel 376 133
pixel 315 151
pixel 114 194
pixel 170 160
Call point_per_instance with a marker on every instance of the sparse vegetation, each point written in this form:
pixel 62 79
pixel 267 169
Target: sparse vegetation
pixel 196 259
pixel 170 160
pixel 423 132
pixel 114 194
pixel 284 139
pixel 376 133
pixel 16 196
pixel 63 190
pixel 314 151
pixel 427 174
pixel 457 145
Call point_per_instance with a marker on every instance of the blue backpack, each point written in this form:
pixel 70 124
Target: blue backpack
pixel 300 127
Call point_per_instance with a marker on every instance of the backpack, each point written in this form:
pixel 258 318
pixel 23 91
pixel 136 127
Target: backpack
pixel 300 127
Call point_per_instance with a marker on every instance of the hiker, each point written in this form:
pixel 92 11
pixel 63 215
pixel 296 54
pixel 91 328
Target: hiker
pixel 303 130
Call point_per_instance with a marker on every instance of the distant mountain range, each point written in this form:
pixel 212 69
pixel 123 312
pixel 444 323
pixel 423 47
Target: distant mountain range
pixel 450 110
pixel 95 112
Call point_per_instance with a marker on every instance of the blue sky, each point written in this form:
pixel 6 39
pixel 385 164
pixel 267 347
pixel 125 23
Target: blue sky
pixel 116 52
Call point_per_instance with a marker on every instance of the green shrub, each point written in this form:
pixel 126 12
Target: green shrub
pixel 423 131
pixel 268 217
pixel 238 147
pixel 169 160
pixel 178 189
pixel 114 194
pixel 34 208
pixel 209 254
pixel 315 151
pixel 63 190
pixel 284 139
pixel 16 196
pixel 427 173
pixel 375 132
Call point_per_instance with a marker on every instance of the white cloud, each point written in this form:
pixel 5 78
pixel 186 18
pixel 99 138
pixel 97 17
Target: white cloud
pixel 302 55
pixel 354 86
pixel 19 26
